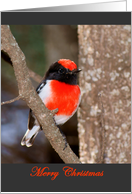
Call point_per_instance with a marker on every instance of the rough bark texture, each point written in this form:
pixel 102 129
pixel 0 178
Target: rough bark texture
pixel 105 81
pixel 29 95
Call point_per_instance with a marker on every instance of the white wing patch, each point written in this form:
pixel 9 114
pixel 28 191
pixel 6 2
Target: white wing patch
pixel 45 92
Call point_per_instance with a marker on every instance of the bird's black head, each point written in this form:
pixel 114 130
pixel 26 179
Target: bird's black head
pixel 63 70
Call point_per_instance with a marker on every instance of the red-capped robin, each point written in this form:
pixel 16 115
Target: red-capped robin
pixel 58 89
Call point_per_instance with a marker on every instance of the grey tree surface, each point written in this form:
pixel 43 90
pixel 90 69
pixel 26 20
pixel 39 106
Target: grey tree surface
pixel 104 116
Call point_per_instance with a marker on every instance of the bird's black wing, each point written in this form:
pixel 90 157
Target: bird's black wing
pixel 31 120
pixel 40 86
pixel 31 117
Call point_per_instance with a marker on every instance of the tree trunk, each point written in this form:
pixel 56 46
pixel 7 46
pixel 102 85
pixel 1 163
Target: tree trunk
pixel 104 116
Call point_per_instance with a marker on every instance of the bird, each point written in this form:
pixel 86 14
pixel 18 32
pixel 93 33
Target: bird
pixel 58 90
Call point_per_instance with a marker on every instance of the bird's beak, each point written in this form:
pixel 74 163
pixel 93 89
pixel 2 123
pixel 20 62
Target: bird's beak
pixel 73 71
pixel 76 70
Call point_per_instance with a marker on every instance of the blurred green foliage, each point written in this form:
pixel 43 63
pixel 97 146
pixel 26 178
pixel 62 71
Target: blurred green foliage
pixel 30 38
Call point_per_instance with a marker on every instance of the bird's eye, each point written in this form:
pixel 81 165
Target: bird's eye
pixel 60 71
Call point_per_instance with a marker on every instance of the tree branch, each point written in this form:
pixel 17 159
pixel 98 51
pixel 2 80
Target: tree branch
pixel 32 74
pixel 29 95
pixel 10 101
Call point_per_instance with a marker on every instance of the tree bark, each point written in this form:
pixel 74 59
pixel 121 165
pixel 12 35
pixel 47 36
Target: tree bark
pixel 104 117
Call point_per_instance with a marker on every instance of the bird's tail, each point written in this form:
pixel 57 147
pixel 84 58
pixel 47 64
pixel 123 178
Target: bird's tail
pixel 29 136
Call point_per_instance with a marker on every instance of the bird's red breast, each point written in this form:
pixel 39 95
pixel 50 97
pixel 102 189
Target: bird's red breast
pixel 64 96
pixel 58 89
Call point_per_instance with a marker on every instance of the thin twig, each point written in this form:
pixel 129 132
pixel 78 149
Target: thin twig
pixel 10 101
pixel 54 111
pixel 34 76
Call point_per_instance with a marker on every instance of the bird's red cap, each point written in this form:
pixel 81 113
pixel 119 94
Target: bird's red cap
pixel 67 64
